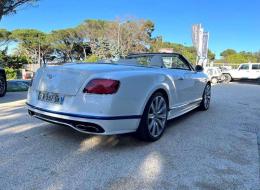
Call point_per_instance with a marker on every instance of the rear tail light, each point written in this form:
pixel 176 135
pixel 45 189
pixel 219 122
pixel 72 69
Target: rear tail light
pixel 102 86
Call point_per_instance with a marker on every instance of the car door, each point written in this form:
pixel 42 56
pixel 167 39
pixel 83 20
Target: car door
pixel 197 79
pixel 243 72
pixel 182 74
pixel 255 72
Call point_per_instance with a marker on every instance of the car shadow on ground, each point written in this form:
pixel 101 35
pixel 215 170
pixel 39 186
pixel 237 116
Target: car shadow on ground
pixel 129 140
pixel 59 131
pixel 60 134
pixel 251 82
pixel 177 120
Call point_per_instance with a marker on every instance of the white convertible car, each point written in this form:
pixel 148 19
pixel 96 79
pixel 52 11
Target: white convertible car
pixel 136 94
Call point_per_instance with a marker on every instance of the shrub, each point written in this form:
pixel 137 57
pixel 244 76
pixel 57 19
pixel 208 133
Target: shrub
pixel 10 73
pixel 92 58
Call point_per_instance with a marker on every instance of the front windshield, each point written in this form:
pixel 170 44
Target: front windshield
pixel 244 67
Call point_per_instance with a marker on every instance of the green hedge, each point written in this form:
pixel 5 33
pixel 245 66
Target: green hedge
pixel 10 73
pixel 91 58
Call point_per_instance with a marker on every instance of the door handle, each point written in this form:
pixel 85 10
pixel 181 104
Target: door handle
pixel 181 78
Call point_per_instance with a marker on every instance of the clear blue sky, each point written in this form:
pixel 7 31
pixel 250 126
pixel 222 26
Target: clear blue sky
pixel 231 23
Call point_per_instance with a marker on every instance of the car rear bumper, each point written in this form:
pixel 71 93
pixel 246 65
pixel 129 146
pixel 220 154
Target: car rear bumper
pixel 102 125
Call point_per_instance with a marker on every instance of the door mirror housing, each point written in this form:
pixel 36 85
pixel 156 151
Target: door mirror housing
pixel 199 68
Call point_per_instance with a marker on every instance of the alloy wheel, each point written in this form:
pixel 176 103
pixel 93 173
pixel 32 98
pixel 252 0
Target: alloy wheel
pixel 157 116
pixel 207 96
pixel 214 80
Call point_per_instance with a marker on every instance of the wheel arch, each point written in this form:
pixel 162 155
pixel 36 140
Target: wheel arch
pixel 162 89
pixel 165 94
pixel 228 74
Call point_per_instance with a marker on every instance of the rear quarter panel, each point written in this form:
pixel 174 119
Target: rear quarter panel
pixel 136 87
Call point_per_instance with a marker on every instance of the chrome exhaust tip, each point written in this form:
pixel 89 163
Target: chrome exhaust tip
pixel 87 128
pixel 31 113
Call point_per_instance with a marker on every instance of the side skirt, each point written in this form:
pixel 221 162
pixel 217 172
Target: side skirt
pixel 182 109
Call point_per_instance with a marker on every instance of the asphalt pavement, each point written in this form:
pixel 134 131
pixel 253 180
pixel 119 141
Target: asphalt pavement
pixel 216 149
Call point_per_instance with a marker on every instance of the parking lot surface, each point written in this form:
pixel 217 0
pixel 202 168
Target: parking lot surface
pixel 217 149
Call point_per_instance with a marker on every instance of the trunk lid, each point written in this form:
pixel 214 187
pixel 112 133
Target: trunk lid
pixel 59 80
pixel 68 79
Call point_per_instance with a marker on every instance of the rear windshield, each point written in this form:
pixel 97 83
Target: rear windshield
pixel 137 60
pixel 142 60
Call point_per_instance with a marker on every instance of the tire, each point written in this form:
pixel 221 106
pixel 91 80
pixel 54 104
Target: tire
pixel 214 80
pixel 154 118
pixel 3 86
pixel 222 78
pixel 228 78
pixel 205 103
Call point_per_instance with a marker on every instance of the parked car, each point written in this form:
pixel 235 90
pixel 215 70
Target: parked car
pixel 3 83
pixel 137 94
pixel 215 74
pixel 245 71
pixel 225 68
pixel 18 85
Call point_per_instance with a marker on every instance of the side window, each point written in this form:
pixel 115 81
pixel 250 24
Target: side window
pixel 255 67
pixel 174 62
pixel 146 60
pixel 167 61
pixel 210 72
pixel 244 67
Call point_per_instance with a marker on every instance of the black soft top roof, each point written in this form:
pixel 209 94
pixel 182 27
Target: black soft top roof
pixel 138 54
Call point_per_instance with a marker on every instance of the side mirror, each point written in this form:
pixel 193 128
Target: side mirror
pixel 199 68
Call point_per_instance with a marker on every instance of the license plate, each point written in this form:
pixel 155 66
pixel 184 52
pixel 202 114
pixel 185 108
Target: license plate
pixel 51 97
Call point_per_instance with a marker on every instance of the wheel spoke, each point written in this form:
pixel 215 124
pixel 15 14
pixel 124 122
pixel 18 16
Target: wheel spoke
pixel 156 128
pixel 163 108
pixel 160 123
pixel 161 116
pixel 151 116
pixel 160 104
pixel 153 128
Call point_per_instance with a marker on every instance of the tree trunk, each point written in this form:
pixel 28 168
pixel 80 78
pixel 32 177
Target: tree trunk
pixel 84 52
pixel 1 10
